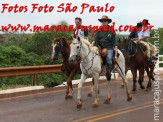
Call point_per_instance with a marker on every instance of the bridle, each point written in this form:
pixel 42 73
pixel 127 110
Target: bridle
pixel 78 54
pixel 130 49
pixel 61 49
pixel 81 60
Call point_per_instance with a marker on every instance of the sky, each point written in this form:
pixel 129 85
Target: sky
pixel 126 12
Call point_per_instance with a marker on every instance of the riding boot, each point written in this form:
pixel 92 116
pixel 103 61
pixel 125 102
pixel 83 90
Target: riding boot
pixel 108 72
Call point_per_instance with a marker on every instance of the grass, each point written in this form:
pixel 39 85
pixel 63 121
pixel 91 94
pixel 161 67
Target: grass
pixel 5 87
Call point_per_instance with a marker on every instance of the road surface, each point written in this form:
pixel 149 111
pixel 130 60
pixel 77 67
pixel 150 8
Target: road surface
pixel 52 107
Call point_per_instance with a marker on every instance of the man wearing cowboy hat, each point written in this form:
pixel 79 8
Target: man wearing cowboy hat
pixel 144 35
pixel 134 33
pixel 107 41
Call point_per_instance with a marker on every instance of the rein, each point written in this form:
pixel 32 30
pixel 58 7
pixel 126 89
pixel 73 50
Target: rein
pixel 82 60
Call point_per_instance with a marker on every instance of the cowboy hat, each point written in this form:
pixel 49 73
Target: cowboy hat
pixel 145 21
pixel 105 18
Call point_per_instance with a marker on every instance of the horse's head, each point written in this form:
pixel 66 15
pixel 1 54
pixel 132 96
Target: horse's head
pixel 57 46
pixel 125 43
pixel 75 49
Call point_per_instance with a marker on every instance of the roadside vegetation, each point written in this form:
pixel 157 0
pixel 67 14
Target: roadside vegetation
pixel 35 49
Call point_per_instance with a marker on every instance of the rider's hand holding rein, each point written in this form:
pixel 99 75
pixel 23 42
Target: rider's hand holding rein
pixel 93 43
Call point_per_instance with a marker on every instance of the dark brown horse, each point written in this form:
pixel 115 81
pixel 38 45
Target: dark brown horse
pixel 136 60
pixel 62 46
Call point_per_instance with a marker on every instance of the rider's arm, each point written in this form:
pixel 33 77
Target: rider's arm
pixel 95 39
pixel 146 34
pixel 144 38
pixel 115 42
pixel 134 39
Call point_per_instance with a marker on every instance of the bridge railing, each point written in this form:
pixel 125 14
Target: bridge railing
pixel 36 70
pixel 30 70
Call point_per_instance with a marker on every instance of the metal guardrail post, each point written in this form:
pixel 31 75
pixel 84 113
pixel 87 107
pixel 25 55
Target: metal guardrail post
pixel 34 80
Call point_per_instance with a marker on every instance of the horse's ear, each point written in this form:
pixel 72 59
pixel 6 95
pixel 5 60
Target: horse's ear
pixel 119 40
pixel 63 39
pixel 78 38
pixel 72 38
pixel 53 37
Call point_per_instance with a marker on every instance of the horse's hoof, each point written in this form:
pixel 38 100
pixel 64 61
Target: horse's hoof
pixel 142 87
pixel 129 99
pixel 122 86
pixel 148 88
pixel 68 97
pixel 107 101
pixel 98 91
pixel 95 105
pixel 149 85
pixel 133 92
pixel 79 106
pixel 89 95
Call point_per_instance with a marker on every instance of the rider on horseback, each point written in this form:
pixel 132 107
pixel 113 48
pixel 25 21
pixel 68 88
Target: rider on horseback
pixel 78 31
pixel 142 36
pixel 106 40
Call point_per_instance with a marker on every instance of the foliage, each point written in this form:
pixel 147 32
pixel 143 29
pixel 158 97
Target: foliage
pixel 35 49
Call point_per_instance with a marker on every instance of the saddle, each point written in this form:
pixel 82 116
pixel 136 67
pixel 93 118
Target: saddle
pixel 145 48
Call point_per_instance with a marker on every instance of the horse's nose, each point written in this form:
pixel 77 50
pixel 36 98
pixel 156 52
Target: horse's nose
pixel 72 59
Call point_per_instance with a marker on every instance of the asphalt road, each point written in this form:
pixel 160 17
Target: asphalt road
pixel 52 107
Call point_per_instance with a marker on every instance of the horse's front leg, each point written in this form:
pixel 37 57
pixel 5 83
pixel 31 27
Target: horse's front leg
pixel 152 71
pixel 129 97
pixel 149 76
pixel 141 77
pixel 126 70
pixel 108 98
pixel 91 89
pixel 96 79
pixel 134 73
pixel 79 102
pixel 69 93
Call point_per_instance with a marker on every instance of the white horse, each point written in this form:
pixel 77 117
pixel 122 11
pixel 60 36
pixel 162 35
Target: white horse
pixel 91 66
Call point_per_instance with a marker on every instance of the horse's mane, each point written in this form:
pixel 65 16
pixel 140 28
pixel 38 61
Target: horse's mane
pixel 66 41
pixel 94 49
pixel 86 42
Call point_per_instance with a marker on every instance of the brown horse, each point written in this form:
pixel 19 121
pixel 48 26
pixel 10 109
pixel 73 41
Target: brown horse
pixel 62 46
pixel 136 60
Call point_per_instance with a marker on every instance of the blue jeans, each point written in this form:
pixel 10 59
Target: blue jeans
pixel 109 57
